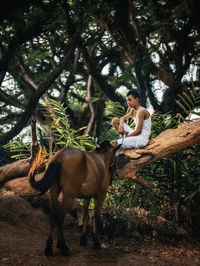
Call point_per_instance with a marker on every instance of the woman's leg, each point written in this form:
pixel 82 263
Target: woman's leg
pixel 133 142
pixel 115 123
pixel 128 142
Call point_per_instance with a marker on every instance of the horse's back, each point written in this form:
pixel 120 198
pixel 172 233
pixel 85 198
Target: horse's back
pixel 83 174
pixel 73 168
pixel 96 180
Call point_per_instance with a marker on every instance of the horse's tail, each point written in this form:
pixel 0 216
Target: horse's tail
pixel 50 176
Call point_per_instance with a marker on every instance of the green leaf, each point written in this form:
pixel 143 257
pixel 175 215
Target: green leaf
pixel 62 132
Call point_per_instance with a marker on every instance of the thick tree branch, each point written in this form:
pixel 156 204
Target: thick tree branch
pixel 20 168
pixel 99 79
pixel 71 76
pixel 3 64
pixel 169 141
pixel 33 101
pixel 89 100
pixel 90 62
pixel 10 100
pixel 25 74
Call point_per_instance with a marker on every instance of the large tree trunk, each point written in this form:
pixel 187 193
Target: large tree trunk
pixel 169 141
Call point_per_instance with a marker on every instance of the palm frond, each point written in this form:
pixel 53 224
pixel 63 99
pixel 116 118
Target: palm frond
pixel 114 109
pixel 189 102
pixel 61 129
pixel 18 149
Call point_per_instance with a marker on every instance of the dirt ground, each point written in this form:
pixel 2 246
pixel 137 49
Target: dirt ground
pixel 24 229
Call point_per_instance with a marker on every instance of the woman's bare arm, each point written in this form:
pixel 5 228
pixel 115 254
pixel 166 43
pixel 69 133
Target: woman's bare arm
pixel 138 128
pixel 122 119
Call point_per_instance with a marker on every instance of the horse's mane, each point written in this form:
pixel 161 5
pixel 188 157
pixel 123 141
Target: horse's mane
pixel 103 147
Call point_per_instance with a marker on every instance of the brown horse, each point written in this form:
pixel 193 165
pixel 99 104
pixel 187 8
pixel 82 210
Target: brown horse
pixel 77 174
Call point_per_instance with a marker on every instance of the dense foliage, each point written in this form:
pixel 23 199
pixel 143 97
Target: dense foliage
pixel 50 48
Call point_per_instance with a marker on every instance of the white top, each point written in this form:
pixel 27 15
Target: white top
pixel 140 140
pixel 146 127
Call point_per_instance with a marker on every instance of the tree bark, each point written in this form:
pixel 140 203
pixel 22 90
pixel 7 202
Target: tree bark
pixel 14 170
pixel 20 168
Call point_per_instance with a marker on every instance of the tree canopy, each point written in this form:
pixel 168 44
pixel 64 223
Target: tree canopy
pixel 50 48
pixel 83 55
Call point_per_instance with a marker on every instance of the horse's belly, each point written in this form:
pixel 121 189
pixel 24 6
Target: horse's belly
pixel 89 188
pixel 85 196
pixel 93 188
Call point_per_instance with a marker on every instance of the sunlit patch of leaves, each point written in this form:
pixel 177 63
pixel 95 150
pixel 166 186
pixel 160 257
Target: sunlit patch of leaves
pixel 62 132
pixel 18 149
pixel 114 109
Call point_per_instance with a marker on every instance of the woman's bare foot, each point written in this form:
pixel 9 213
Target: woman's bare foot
pixel 113 143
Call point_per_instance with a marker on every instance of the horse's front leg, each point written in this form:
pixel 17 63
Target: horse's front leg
pixel 83 238
pixel 96 221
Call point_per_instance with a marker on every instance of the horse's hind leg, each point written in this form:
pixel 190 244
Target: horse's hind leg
pixel 83 238
pixel 61 240
pixel 96 221
pixel 66 206
pixel 53 201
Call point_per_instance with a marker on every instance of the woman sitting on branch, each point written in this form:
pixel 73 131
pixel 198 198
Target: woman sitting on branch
pixel 139 136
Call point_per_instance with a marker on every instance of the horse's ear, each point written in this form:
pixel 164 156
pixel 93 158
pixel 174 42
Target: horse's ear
pixel 105 144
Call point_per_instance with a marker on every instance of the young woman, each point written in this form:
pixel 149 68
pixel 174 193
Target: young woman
pixel 139 136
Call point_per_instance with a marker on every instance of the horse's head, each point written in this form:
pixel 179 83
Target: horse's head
pixel 109 157
pixel 108 151
pixel 105 146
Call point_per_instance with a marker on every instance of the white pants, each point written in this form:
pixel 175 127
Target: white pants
pixel 132 142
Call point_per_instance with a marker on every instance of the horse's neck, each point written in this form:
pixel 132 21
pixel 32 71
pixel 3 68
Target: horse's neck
pixel 107 160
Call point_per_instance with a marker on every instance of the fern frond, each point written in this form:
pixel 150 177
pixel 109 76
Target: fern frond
pixel 189 101
pixel 114 109
pixel 185 102
pixel 61 129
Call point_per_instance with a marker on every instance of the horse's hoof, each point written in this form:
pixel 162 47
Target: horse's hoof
pixel 48 249
pixel 96 246
pixel 64 250
pixel 48 252
pixel 83 241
